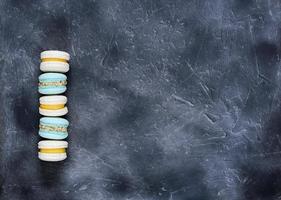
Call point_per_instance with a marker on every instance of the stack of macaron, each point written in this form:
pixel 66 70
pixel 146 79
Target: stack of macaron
pixel 52 84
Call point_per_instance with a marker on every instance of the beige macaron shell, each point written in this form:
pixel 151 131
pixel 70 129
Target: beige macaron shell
pixel 53 66
pixel 53 113
pixel 52 144
pixel 52 157
pixel 52 100
pixel 55 54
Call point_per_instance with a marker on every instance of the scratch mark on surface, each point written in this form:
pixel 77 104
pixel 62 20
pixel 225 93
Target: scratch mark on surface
pixel 182 100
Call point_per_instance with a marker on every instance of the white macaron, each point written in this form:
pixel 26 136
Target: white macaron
pixel 53 106
pixel 52 150
pixel 54 61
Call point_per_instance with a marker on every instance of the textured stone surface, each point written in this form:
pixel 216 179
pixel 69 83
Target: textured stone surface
pixel 171 100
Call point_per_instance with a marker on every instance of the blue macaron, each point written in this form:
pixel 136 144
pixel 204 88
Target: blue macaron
pixel 52 83
pixel 53 128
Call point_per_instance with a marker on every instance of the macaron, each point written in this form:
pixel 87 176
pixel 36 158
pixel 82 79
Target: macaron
pixel 53 128
pixel 52 150
pixel 52 83
pixel 54 61
pixel 53 106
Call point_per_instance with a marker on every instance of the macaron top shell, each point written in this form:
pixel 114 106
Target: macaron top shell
pixel 54 99
pixel 52 144
pixel 49 77
pixel 55 54
pixel 54 120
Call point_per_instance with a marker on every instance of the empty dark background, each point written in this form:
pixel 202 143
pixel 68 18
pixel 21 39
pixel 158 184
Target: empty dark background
pixel 168 100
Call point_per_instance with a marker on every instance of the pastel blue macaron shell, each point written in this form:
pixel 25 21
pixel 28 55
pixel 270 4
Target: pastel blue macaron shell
pixel 53 121
pixel 51 77
pixel 53 135
pixel 52 90
pixel 48 76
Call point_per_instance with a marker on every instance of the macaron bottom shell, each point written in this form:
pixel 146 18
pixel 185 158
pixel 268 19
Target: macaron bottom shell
pixel 53 113
pixel 52 157
pixel 53 135
pixel 54 67
pixel 52 90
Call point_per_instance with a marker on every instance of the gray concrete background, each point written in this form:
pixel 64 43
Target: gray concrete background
pixel 170 99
